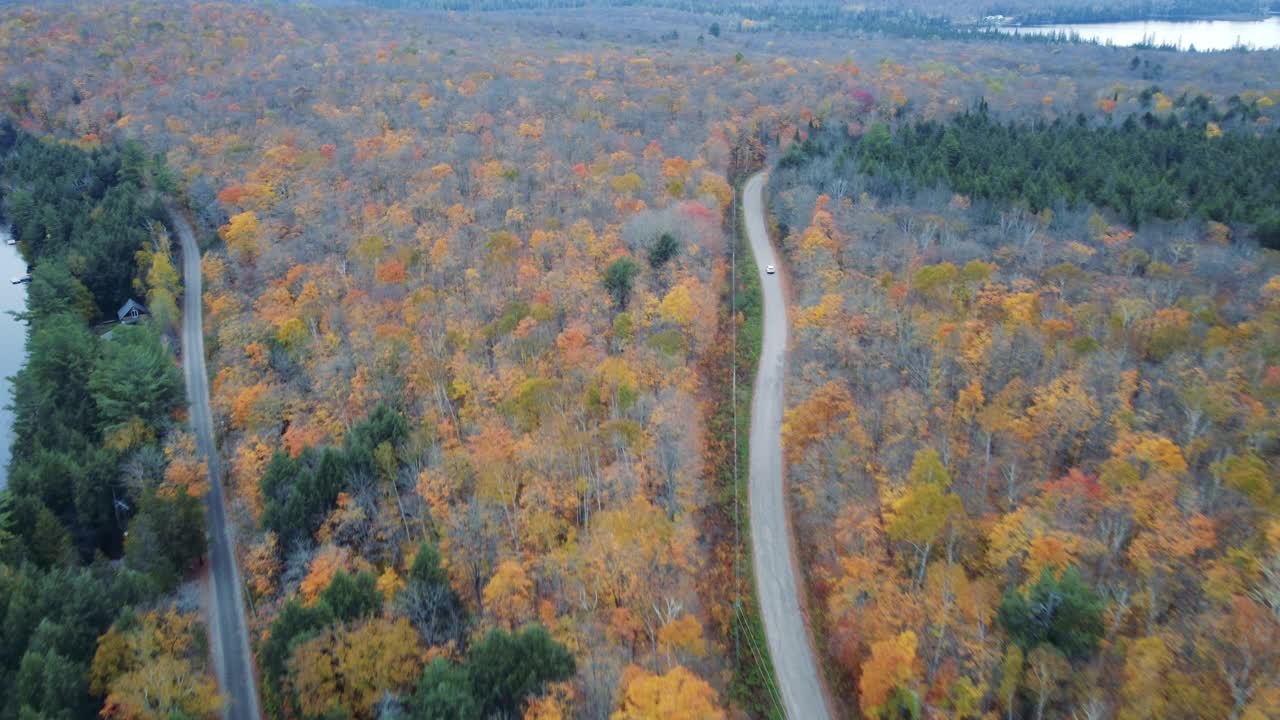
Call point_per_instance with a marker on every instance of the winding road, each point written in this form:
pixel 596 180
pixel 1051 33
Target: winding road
pixel 772 548
pixel 228 632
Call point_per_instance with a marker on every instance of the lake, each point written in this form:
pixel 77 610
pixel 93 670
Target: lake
pixel 1203 34
pixel 13 341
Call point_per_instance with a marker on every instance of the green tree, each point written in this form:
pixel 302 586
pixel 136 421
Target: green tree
pixel 7 538
pixel 50 685
pixel 1064 612
pixel 133 163
pixel 618 279
pixel 428 599
pixel 39 537
pixel 134 378
pixel 352 597
pixel 54 290
pixel 384 425
pixel 295 624
pixel 876 143
pixel 507 668
pixel 444 692
pixel 426 566
pixel 664 248
pixel 166 536
pixel 50 622
pixel 298 494
pixel 1268 230
pixel 50 404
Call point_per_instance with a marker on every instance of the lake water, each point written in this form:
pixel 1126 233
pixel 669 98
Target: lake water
pixel 13 341
pixel 1202 34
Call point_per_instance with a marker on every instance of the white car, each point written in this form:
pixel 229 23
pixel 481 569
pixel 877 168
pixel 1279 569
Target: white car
pixel 769 269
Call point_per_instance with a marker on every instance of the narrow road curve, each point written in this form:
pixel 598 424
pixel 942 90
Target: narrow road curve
pixel 228 632
pixel 772 546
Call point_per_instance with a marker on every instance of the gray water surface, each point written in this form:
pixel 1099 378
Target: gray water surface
pixel 13 341
pixel 1200 34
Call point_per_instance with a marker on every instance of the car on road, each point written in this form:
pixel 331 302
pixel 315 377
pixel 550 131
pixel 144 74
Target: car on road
pixel 769 269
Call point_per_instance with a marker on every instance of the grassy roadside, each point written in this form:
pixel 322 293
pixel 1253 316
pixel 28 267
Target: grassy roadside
pixel 753 687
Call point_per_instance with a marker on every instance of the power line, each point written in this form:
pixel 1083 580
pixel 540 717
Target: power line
pixel 733 401
pixel 753 644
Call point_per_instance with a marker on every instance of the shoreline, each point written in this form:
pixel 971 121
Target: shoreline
pixel 15 357
pixel 1203 35
pixel 1239 17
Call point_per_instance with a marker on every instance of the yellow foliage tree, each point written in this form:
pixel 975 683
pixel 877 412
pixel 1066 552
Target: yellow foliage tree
pixel 351 668
pixel 677 307
pixel 389 582
pixel 826 412
pixel 1021 309
pixel 684 636
pixel 1146 670
pixel 891 667
pixel 715 186
pixel 675 695
pixel 152 672
pixel 627 184
pixel 508 594
pixel 242 234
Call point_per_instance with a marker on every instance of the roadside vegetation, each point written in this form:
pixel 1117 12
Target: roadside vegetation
pixel 102 519
pixel 754 685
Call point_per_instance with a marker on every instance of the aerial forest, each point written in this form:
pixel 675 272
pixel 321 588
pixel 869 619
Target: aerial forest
pixel 472 287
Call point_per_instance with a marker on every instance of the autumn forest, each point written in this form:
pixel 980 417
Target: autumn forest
pixel 481 320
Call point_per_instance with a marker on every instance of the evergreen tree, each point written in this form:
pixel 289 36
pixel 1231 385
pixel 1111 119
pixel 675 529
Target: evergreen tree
pixel 352 597
pixel 618 280
pixel 444 692
pixel 506 668
pixel 1064 612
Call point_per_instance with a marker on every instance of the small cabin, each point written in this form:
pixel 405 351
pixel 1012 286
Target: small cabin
pixel 131 312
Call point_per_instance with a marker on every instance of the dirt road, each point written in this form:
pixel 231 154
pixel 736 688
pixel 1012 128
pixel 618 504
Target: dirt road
pixel 228 632
pixel 777 579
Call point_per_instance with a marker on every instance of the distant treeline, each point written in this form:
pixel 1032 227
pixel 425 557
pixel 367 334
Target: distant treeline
pixel 89 416
pixel 919 18
pixel 1148 167
pixel 803 17
pixel 1036 14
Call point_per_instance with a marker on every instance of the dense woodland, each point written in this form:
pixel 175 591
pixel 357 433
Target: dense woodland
pixel 1032 423
pixel 1173 167
pixel 466 305
pixel 102 518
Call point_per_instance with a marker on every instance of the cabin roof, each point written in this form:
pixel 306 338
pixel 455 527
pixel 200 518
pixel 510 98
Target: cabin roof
pixel 129 306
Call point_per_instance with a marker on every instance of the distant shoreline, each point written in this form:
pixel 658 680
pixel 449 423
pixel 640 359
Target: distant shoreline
pixel 1239 17
pixel 1201 35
